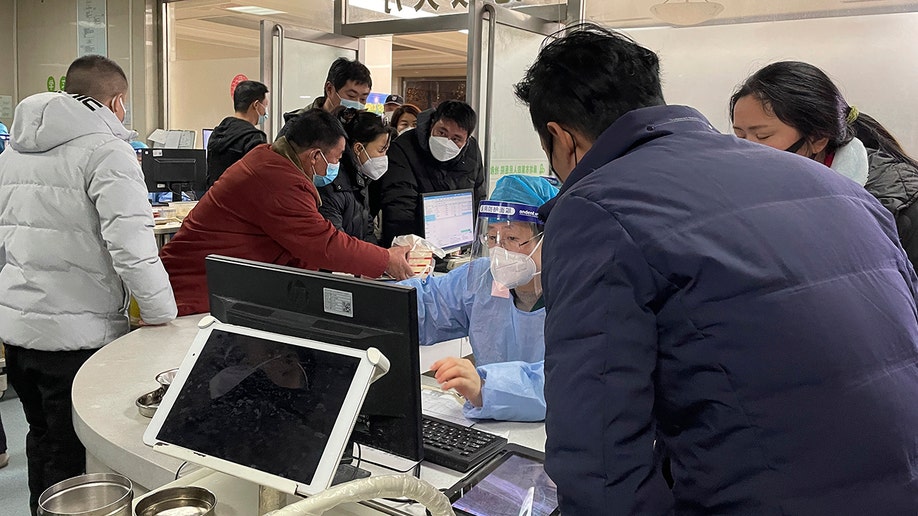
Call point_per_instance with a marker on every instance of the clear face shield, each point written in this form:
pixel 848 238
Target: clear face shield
pixel 509 236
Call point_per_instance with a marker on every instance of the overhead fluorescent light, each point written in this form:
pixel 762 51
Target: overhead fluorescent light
pixel 255 10
pixel 378 6
pixel 463 31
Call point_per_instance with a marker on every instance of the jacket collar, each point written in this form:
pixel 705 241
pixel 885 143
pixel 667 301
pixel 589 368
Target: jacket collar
pixel 630 131
pixel 283 148
pixel 851 161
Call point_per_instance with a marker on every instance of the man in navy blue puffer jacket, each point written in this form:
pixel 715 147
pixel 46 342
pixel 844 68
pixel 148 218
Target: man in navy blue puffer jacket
pixel 748 308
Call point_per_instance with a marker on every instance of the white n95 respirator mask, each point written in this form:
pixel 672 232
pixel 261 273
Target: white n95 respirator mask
pixel 511 269
pixel 443 149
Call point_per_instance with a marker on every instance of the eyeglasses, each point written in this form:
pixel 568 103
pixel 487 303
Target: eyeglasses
pixel 507 242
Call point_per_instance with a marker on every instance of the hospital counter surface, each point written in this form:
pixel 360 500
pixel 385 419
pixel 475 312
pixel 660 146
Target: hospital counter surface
pixel 108 423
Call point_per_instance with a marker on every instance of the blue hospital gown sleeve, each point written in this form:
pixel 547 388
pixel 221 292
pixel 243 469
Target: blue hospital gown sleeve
pixel 512 391
pixel 443 313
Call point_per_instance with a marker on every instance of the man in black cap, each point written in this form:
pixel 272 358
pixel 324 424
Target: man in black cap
pixel 392 103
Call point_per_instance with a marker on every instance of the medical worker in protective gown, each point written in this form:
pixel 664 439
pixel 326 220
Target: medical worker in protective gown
pixel 496 301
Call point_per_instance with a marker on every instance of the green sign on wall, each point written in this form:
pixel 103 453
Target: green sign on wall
pixel 62 82
pixel 51 84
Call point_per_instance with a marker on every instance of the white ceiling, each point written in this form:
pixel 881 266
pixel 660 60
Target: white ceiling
pixel 209 22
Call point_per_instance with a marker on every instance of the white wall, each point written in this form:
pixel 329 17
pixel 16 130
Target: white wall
pixel 200 91
pixel 872 59
pixel 46 43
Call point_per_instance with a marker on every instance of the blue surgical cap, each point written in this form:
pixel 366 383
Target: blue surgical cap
pixel 138 145
pixel 531 190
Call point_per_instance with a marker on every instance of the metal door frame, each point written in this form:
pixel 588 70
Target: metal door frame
pixel 271 30
pixel 493 15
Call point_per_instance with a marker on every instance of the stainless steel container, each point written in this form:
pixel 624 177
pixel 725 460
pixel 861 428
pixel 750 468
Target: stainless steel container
pixel 149 402
pixel 93 494
pixel 177 501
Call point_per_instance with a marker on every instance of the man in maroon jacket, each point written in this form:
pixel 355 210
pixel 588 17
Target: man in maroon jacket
pixel 265 208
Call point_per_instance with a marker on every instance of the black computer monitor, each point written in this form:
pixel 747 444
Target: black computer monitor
pixel 174 170
pixel 338 310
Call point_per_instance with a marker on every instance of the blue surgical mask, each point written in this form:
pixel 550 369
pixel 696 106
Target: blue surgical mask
pixel 262 118
pixel 353 104
pixel 331 172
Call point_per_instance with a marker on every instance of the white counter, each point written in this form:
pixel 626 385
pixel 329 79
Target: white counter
pixel 107 421
pixel 105 389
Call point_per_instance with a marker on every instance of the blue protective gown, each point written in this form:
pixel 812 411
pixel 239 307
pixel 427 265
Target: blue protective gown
pixel 508 343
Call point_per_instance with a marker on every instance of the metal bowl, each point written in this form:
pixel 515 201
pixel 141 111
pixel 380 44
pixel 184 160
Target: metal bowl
pixel 177 501
pixel 93 494
pixel 149 402
pixel 165 378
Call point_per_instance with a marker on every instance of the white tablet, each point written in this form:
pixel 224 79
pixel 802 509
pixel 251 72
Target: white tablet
pixel 268 408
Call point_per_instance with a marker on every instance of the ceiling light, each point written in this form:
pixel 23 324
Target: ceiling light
pixel 253 9
pixel 463 31
pixel 686 13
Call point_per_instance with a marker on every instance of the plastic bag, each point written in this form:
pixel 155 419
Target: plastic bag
pixel 420 257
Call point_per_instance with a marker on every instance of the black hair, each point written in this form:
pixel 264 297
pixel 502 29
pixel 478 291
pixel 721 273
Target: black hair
pixel 96 76
pixel 586 77
pixel 361 127
pixel 404 108
pixel 458 112
pixel 805 98
pixel 246 93
pixel 315 128
pixel 343 70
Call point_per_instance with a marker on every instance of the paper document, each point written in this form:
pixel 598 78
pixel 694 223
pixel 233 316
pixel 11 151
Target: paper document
pixel 172 139
pixel 443 405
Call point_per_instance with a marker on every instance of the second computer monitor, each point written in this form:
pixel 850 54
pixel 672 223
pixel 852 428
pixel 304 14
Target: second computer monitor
pixel 449 218
pixel 174 170
pixel 205 133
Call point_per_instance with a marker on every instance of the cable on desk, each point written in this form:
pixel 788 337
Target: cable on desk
pixel 179 470
pixel 357 466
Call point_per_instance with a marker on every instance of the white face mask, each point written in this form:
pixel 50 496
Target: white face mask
pixel 405 130
pixel 443 149
pixel 511 269
pixel 374 168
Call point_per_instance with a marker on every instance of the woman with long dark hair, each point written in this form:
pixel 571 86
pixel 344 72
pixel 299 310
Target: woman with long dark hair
pixel 345 202
pixel 794 106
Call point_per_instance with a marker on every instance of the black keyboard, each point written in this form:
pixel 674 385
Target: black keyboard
pixel 457 447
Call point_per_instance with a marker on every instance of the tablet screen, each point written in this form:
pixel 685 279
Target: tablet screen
pixel 503 491
pixel 258 403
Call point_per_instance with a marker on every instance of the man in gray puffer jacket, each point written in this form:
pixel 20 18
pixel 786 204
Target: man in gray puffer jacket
pixel 76 242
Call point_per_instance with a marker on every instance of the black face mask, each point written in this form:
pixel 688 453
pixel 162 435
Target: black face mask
pixel 796 146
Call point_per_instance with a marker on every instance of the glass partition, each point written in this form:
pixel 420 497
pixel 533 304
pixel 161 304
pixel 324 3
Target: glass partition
pixel 305 70
pixel 294 65
pixel 864 47
pixel 513 144
pixel 509 44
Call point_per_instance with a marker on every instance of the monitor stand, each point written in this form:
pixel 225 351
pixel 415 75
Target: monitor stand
pixel 346 473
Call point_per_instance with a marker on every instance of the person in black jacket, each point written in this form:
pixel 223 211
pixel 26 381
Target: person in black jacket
pixel 236 135
pixel 798 108
pixel 439 155
pixel 345 201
